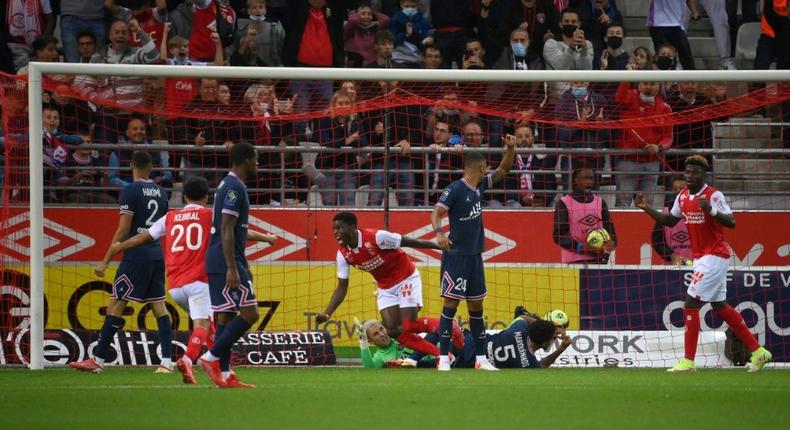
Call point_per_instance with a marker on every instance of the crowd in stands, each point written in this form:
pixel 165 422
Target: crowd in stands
pixel 432 34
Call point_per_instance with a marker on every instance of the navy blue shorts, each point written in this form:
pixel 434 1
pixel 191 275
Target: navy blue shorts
pixel 462 277
pixel 141 281
pixel 226 299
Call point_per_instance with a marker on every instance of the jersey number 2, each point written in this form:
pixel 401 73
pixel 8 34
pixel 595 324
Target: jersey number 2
pixel 153 206
pixel 192 235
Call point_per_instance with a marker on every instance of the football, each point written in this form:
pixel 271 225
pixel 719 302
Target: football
pixel 558 317
pixel 597 237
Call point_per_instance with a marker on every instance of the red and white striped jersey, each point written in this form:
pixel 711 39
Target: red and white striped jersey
pixel 378 252
pixel 707 234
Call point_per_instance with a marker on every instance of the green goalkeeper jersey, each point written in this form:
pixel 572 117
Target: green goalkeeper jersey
pixel 394 351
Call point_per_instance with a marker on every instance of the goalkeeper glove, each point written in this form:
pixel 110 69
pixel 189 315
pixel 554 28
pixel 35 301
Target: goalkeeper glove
pixel 363 337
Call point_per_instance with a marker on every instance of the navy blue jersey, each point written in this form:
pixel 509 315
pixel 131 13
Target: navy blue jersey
pixel 231 199
pixel 146 202
pixel 509 348
pixel 465 214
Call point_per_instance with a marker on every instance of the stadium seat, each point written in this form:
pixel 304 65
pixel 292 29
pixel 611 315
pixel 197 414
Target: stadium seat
pixel 308 158
pixel 362 196
pixel 746 44
pixel 393 199
pixel 314 197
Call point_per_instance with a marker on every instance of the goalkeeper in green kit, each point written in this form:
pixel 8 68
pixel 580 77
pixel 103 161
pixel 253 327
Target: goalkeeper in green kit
pixel 389 352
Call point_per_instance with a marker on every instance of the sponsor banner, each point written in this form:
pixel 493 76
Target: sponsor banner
pixel 306 235
pixel 621 348
pixel 141 348
pixel 653 300
pixel 289 296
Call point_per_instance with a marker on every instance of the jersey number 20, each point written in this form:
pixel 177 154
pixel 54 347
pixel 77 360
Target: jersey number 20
pixel 192 235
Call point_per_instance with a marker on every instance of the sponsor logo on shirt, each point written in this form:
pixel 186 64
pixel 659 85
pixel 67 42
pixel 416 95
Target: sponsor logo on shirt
pixel 474 213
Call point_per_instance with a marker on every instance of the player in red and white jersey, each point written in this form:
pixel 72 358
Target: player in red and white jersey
pixel 399 292
pixel 185 234
pixel 706 214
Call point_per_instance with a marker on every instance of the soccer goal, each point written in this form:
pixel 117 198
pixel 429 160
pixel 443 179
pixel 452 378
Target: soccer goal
pixel 384 143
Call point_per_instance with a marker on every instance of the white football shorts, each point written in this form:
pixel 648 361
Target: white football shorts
pixel 709 279
pixel 405 294
pixel 193 298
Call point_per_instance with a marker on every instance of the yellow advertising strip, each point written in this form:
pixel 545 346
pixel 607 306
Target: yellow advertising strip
pixel 290 295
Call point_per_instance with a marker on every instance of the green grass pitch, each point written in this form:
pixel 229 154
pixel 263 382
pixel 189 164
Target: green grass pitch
pixel 349 398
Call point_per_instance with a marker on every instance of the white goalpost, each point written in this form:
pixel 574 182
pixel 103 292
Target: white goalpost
pixel 37 71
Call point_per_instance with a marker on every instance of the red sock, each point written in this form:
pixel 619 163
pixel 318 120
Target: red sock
pixel 738 326
pixel 196 342
pixel 421 325
pixel 416 343
pixel 692 332
pixel 212 333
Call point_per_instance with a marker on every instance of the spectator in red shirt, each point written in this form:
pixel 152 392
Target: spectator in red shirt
pixel 314 38
pixel 196 20
pixel 639 171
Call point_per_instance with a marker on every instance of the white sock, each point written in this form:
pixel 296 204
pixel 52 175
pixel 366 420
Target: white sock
pixel 226 375
pixel 208 356
pixel 99 361
pixel 167 362
pixel 480 358
pixel 444 359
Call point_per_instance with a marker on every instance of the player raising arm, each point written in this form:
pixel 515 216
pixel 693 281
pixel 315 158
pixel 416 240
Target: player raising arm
pixel 461 272
pixel 399 294
pixel 706 213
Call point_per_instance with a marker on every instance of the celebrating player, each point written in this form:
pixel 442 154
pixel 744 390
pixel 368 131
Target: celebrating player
pixel 141 274
pixel 706 213
pixel 462 276
pixel 229 279
pixel 399 293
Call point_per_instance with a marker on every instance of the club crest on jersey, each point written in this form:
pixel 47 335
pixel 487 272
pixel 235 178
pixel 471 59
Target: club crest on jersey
pixel 232 196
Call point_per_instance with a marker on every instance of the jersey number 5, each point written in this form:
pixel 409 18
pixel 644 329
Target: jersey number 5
pixel 192 235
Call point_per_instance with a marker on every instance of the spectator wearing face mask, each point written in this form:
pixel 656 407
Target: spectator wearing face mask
pixel 639 171
pixel 517 55
pixel 581 104
pixel 665 58
pixel 412 31
pixel 614 57
pixel 570 52
pixel 260 37
pixel 665 22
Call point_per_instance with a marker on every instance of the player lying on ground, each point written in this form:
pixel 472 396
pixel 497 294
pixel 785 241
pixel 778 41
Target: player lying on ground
pixel 706 213
pixel 390 353
pixel 185 233
pixel 514 347
pixel 507 349
pixel 399 294
pixel 141 275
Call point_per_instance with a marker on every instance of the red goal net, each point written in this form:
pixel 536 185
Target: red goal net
pixel 387 150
